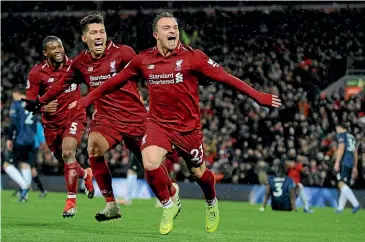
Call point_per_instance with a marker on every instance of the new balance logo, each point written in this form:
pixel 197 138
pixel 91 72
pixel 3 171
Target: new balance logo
pixel 50 80
pixel 179 77
pixel 150 67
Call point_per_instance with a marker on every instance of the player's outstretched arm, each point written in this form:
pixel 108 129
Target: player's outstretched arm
pixel 266 199
pixel 206 66
pixel 130 71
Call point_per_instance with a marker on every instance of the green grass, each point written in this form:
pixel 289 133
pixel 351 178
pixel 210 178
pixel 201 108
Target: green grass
pixel 40 220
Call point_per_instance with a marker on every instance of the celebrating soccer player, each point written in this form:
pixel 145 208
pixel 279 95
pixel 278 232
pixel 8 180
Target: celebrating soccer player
pixel 346 167
pixel 173 72
pixel 63 127
pixel 118 116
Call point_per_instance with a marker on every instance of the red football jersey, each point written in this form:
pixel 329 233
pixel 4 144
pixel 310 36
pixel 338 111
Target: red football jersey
pixel 41 77
pixel 294 172
pixel 173 85
pixel 123 105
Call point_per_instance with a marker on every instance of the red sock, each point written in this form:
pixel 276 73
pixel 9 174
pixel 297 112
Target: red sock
pixel 103 177
pixel 207 184
pixel 82 172
pixel 172 189
pixel 71 178
pixel 158 181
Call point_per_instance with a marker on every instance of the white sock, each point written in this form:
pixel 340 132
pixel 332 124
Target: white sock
pixel 131 186
pixel 211 202
pixel 16 176
pixel 27 175
pixel 350 195
pixel 303 197
pixel 168 204
pixel 342 200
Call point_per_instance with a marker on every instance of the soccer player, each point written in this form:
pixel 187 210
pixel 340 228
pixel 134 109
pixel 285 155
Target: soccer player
pixel 281 189
pixel 294 171
pixel 20 142
pixel 346 167
pixel 119 116
pixel 172 71
pixel 63 127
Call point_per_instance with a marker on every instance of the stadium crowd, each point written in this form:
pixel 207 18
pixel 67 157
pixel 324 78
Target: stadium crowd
pixel 291 53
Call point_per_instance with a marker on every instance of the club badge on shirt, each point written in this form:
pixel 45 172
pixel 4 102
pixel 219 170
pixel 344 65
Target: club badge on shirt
pixel 112 67
pixel 178 65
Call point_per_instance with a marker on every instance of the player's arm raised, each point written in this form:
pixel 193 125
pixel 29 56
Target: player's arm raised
pixel 339 153
pixel 266 199
pixel 206 66
pixel 130 71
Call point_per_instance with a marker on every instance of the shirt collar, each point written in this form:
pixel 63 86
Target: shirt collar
pixel 176 51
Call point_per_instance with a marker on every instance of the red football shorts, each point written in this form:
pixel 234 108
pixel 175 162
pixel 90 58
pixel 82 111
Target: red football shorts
pixel 189 145
pixel 115 132
pixel 54 138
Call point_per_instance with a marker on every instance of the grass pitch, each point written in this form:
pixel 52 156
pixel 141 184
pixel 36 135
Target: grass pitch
pixel 40 220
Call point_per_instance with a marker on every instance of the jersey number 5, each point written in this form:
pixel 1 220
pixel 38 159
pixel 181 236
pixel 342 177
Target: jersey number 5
pixel 73 128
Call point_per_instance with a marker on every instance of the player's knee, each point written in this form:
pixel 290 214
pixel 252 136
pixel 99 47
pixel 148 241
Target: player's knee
pixel 24 165
pixel 131 172
pixel 34 172
pixel 198 171
pixel 152 157
pixel 94 150
pixel 68 154
pixel 97 145
pixel 341 184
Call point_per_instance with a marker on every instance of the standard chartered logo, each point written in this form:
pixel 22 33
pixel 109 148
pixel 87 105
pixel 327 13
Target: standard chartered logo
pixel 164 79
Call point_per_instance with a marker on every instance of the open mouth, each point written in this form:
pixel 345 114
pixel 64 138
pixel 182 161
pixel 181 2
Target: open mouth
pixel 171 39
pixel 99 45
pixel 58 56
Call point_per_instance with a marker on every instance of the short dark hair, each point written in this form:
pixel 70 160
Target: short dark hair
pixel 160 16
pixel 19 89
pixel 91 19
pixel 49 39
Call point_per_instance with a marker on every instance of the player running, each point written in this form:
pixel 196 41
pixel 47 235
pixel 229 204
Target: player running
pixel 281 189
pixel 294 170
pixel 172 71
pixel 346 167
pixel 118 116
pixel 63 127
pixel 20 141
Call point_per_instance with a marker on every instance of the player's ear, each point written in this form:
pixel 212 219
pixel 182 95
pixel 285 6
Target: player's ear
pixel 83 37
pixel 155 35
pixel 45 53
